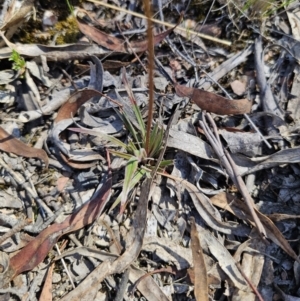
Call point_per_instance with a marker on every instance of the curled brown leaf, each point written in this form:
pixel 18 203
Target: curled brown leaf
pixel 75 101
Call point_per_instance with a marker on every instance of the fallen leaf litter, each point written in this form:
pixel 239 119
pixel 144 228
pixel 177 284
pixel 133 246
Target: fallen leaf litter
pixel 221 221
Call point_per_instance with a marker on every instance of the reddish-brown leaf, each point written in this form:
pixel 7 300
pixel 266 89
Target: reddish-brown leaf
pixel 214 103
pixel 10 144
pixel 69 109
pixel 115 44
pixel 35 251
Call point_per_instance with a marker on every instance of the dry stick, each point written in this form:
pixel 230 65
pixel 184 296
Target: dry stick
pixel 245 193
pixel 255 291
pixel 112 236
pixel 218 150
pixel 34 228
pixel 17 228
pixel 125 277
pixel 231 168
pixel 20 182
pixel 65 266
pixel 201 35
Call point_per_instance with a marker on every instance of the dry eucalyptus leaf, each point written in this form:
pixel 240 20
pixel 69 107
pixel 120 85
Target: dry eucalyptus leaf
pixel 52 53
pixel 200 273
pixel 214 103
pixel 225 260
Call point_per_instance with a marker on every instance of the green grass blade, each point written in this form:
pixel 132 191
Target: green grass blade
pixel 140 120
pixel 156 140
pixel 129 126
pixel 130 171
pixel 121 154
pixel 135 180
pixel 166 163
pixel 134 106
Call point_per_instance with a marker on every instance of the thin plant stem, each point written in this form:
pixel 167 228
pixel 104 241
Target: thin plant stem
pixel 148 12
pixel 254 289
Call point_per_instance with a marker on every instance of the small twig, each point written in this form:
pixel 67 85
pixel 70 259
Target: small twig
pixel 112 100
pixel 247 197
pixel 34 228
pixel 65 266
pixel 216 146
pixel 112 236
pixel 129 45
pixel 257 130
pixel 70 79
pixel 17 228
pixel 231 168
pixel 254 289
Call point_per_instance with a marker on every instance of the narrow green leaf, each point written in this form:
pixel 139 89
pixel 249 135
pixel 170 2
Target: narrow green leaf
pixel 121 154
pixel 129 126
pixel 131 147
pixel 166 163
pixel 140 120
pixel 156 140
pixel 136 179
pixel 130 171
pixel 134 105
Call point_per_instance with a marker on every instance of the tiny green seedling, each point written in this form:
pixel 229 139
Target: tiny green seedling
pixel 19 63
pixel 71 7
